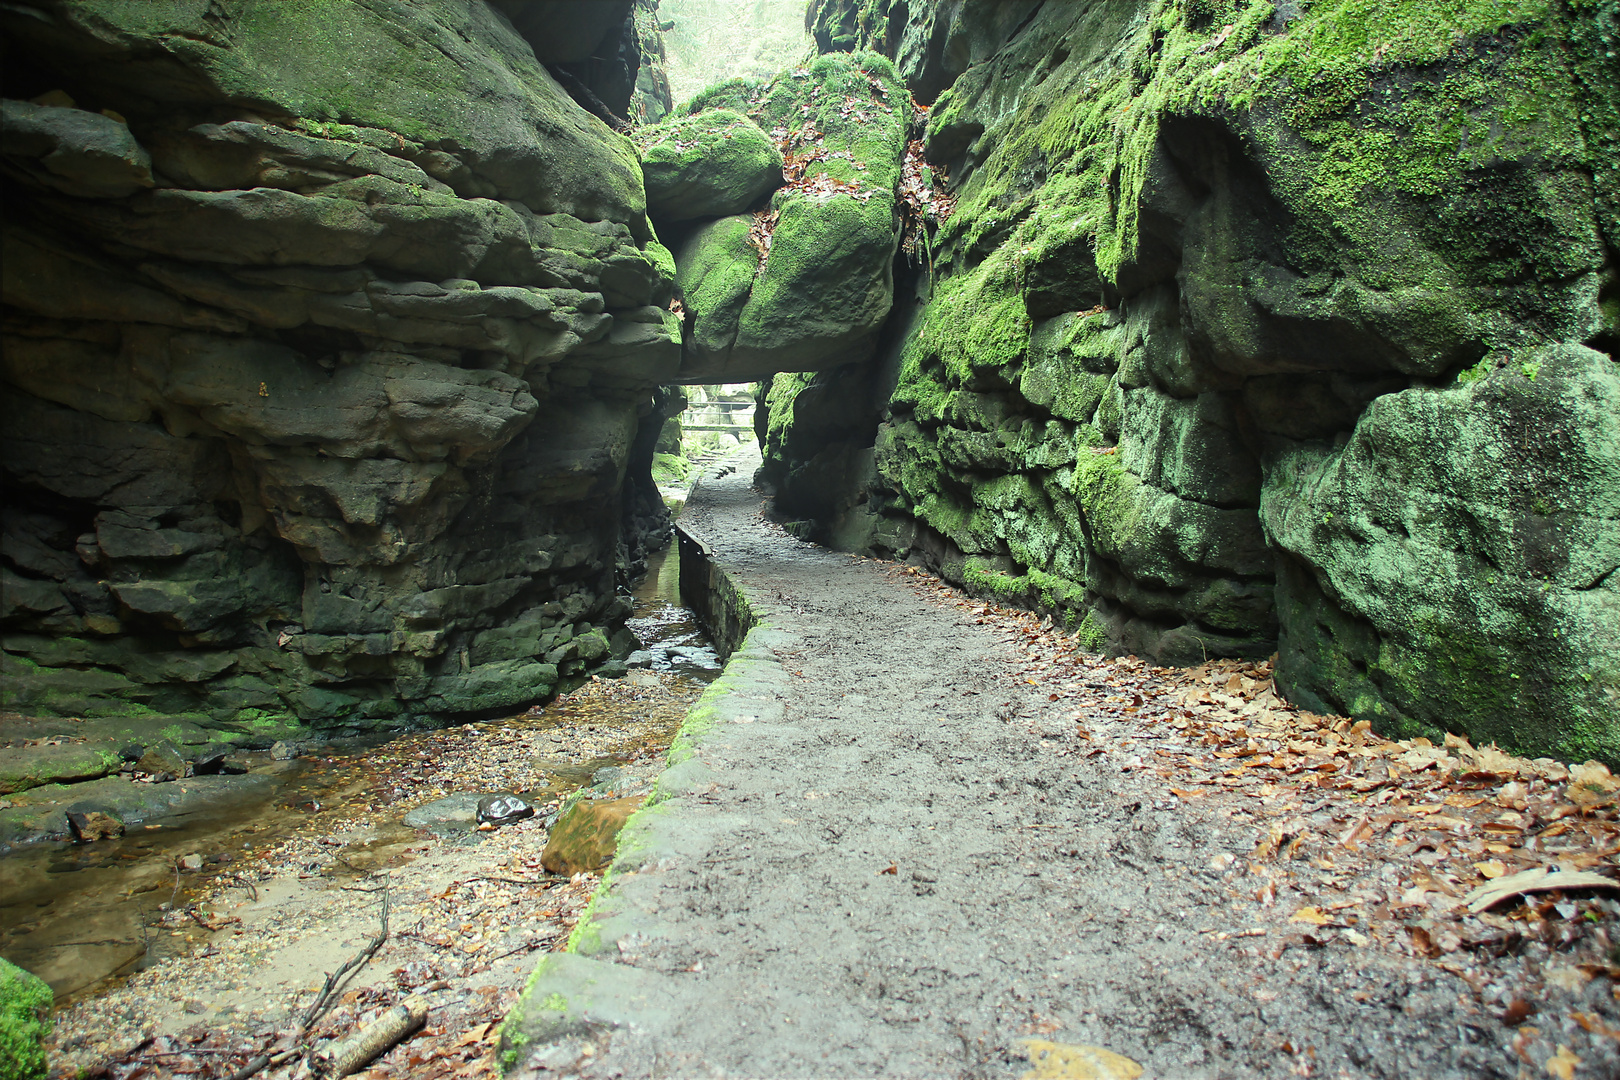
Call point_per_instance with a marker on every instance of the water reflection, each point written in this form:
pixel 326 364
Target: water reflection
pixel 667 629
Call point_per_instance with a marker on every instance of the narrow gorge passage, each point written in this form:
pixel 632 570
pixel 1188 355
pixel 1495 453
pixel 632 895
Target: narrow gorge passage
pixel 893 855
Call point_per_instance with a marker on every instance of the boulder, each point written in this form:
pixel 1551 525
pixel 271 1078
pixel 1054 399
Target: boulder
pixel 809 284
pixel 162 762
pixel 710 164
pixel 1453 562
pixel 25 1021
pixel 585 838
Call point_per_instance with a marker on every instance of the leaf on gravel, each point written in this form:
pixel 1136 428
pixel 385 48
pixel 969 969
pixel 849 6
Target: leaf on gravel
pixel 1310 915
pixel 1422 944
pixel 1591 786
pixel 1567 978
pixel 1563 1063
pixel 1532 881
pixel 1492 868
pixel 1065 1061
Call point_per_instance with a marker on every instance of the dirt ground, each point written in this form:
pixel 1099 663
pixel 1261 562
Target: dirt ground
pixel 937 839
pixel 468 912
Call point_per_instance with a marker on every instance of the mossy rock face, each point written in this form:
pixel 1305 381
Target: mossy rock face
pixel 1265 327
pixel 25 1011
pixel 818 294
pixel 411 70
pixel 707 165
pixel 1469 536
pixel 396 299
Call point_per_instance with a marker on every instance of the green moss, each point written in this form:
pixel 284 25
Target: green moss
pixel 1092 634
pixel 1037 589
pixel 670 470
pixel 25 1021
pixel 1477 372
pixel 1356 103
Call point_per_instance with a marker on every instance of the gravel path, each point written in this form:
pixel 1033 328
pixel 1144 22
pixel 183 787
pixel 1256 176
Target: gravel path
pixel 892 854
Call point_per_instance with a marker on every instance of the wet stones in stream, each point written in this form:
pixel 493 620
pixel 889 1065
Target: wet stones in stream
pixel 246 944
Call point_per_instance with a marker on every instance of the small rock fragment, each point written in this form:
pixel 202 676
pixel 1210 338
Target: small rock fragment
pixel 93 825
pixel 503 809
pixel 162 762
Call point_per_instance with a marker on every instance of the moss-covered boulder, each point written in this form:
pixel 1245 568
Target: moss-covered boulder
pixel 1456 559
pixel 710 164
pixel 25 1011
pixel 586 836
pixel 808 284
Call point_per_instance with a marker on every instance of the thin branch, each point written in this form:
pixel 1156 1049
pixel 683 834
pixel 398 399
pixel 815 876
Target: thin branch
pixel 323 1001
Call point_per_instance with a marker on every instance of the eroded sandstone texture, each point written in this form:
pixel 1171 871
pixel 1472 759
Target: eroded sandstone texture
pixel 328 332
pixel 1261 327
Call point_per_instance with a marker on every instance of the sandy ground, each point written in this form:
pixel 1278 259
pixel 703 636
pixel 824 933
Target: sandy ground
pixel 468 912
pixel 924 832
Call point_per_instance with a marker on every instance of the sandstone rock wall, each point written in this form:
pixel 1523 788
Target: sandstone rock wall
pixel 329 330
pixel 1261 327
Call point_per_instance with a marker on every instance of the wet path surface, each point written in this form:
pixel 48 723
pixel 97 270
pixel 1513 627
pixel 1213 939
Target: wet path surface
pixel 83 915
pixel 895 855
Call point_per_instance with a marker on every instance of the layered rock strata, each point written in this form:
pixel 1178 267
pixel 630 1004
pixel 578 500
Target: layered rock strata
pixel 329 333
pixel 1262 327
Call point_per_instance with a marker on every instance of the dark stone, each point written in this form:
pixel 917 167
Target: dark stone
pixel 503 809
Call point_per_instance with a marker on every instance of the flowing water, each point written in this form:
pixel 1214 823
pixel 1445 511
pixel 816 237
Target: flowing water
pixel 79 915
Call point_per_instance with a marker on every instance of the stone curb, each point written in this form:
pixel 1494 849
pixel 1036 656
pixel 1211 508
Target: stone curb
pixel 583 990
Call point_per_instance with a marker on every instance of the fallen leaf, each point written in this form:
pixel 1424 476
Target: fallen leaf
pixel 1421 943
pixel 1518 1011
pixel 1492 869
pixel 1567 978
pixel 1310 915
pixel 1532 881
pixel 1562 1064
pixel 1063 1061
pixel 474 1034
pixel 1593 1023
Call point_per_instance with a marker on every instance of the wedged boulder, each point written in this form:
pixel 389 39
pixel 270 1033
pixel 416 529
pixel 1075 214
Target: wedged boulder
pixel 711 164
pixel 809 284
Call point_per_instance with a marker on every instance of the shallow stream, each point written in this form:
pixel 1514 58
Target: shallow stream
pixel 81 915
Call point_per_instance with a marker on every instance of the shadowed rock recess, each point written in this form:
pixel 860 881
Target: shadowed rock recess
pixel 1258 327
pixel 329 331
